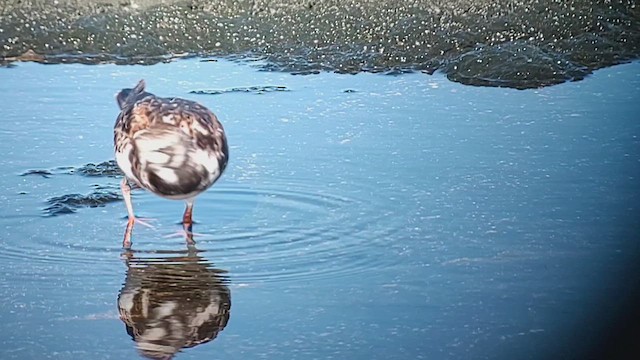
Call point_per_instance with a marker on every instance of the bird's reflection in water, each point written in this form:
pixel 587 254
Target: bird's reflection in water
pixel 172 300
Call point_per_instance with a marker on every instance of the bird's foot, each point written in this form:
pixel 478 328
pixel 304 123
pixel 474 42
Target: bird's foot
pixel 144 221
pixel 126 242
pixel 186 233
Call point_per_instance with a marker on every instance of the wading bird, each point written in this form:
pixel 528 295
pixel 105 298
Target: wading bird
pixel 173 147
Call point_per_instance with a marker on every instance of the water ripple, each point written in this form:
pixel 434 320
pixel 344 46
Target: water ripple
pixel 301 235
pixel 285 230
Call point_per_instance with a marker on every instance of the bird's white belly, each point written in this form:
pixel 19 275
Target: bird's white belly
pixel 122 158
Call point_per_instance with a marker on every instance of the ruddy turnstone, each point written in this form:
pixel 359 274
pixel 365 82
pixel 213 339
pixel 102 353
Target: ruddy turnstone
pixel 173 147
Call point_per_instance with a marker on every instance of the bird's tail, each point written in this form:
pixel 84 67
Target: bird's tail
pixel 128 97
pixel 167 159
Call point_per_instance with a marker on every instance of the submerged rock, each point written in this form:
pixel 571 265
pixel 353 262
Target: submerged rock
pixel 70 203
pixel 343 36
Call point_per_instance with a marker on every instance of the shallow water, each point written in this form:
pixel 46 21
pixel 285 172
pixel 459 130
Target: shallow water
pixel 361 216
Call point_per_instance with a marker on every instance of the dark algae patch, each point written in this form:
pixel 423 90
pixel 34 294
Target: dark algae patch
pixel 107 168
pixel 519 44
pixel 104 169
pixel 70 203
pixel 258 90
pixel 44 173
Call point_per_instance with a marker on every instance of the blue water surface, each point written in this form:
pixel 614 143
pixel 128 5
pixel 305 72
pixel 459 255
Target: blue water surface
pixel 361 216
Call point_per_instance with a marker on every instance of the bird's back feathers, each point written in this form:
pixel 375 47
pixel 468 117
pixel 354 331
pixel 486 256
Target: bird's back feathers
pixel 173 147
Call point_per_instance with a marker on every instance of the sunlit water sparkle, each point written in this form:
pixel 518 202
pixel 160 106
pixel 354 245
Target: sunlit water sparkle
pixel 361 216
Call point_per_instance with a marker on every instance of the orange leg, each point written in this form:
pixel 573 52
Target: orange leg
pixel 126 194
pixel 187 222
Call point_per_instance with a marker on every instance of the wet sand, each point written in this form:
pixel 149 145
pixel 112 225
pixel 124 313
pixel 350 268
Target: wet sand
pixel 516 44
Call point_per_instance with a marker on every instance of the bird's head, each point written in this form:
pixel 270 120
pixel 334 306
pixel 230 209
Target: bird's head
pixel 130 96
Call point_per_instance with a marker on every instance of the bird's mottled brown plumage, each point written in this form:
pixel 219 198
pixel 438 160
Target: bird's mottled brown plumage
pixel 173 147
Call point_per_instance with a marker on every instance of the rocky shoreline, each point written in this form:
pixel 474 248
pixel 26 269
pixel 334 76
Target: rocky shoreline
pixel 518 44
